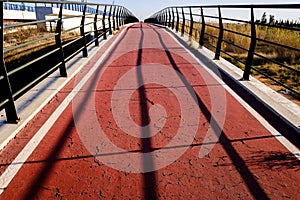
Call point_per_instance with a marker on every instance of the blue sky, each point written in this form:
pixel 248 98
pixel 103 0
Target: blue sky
pixel 144 8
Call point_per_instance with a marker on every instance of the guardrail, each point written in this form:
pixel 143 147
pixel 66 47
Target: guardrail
pixel 20 75
pixel 278 61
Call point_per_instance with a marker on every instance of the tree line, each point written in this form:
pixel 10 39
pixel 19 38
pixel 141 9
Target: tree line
pixel 272 21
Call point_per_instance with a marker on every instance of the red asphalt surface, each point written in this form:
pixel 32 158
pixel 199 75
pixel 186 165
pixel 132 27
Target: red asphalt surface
pixel 247 161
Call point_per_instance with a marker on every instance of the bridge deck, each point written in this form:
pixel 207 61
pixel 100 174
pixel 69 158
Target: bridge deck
pixel 145 120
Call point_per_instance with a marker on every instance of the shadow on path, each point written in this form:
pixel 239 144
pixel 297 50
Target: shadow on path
pixel 41 177
pixel 240 165
pixel 149 177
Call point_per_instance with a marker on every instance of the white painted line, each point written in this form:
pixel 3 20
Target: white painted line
pixel 46 101
pixel 16 165
pixel 285 142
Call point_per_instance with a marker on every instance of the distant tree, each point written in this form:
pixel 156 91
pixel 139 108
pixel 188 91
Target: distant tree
pixel 281 23
pixel 264 18
pixel 271 19
pixel 287 23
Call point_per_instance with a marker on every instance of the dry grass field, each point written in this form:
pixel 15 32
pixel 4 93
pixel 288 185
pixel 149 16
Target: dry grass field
pixel 280 54
pixel 22 36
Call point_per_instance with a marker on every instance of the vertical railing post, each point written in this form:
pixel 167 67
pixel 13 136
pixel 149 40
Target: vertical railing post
pixel 177 22
pixel 170 18
pixel 62 67
pixel 114 23
pixel 160 18
pixel 163 18
pixel 84 50
pixel 167 17
pixel 10 108
pixel 252 47
pixel 119 17
pixel 95 26
pixel 123 16
pixel 201 40
pixel 157 17
pixel 191 22
pixel 183 22
pixel 220 37
pixel 103 23
pixel 126 15
pixel 109 20
pixel 173 18
pixel 120 13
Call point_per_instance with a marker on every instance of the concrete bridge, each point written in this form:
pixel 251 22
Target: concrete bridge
pixel 13 13
pixel 16 12
pixel 150 114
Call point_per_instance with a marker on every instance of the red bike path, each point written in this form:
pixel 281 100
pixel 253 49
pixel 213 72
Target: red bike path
pixel 72 161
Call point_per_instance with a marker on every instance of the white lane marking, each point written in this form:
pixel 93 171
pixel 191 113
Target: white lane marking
pixel 285 142
pixel 46 101
pixel 16 165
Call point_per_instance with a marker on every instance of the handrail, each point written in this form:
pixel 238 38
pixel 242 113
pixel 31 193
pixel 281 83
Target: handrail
pixel 277 6
pixel 208 24
pixel 17 79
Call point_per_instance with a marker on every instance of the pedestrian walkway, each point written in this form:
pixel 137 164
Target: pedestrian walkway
pixel 144 119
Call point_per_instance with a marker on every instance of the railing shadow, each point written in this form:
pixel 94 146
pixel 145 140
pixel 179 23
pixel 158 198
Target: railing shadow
pixel 240 164
pixel 158 148
pixel 276 120
pixel 149 181
pixel 273 160
pixel 41 177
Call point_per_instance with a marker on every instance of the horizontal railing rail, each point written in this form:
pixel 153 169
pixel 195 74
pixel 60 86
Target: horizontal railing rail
pixel 269 48
pixel 62 36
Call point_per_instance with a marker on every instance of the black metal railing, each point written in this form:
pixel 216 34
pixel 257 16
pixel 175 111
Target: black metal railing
pixel 272 49
pixel 62 42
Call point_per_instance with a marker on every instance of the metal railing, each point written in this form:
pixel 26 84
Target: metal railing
pixel 20 75
pixel 274 60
